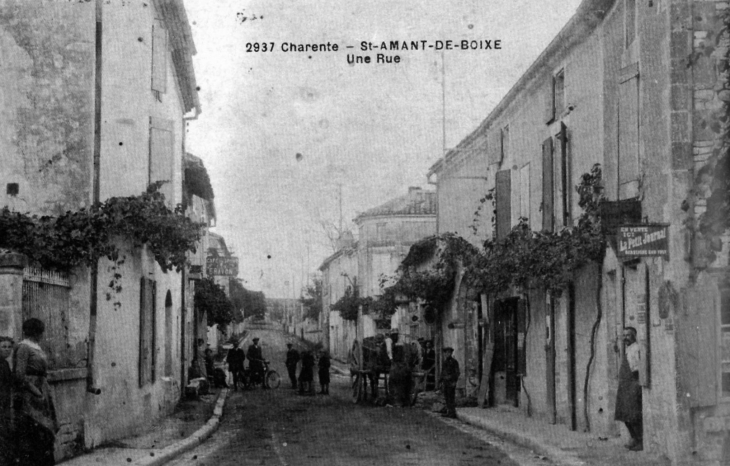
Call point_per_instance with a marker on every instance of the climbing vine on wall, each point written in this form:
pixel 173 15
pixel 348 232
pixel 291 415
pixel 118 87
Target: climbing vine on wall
pixel 715 175
pixel 82 237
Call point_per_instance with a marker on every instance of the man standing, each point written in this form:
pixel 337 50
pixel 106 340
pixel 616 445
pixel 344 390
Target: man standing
pixel 449 376
pixel 428 364
pixel 628 396
pixel 292 358
pixel 256 361
pixel 235 359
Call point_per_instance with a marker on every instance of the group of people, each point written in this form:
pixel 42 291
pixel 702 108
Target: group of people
pixel 304 382
pixel 28 423
pixel 237 357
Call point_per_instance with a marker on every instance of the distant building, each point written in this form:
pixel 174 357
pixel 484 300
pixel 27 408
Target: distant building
pixel 385 233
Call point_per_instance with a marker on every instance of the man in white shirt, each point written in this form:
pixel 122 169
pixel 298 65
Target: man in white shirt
pixel 628 396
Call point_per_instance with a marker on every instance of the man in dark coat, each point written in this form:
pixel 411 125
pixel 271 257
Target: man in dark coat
pixel 235 359
pixel 256 361
pixel 628 396
pixel 6 383
pixel 449 376
pixel 324 373
pixel 292 358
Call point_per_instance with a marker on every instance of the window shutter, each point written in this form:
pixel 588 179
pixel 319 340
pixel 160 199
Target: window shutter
pixel 564 174
pixel 547 185
pixel 503 203
pixel 550 101
pixel 697 360
pixel 628 125
pixel 160 157
pixel 505 143
pixel 494 147
pixel 521 337
pixel 147 291
pixel 153 329
pixel 159 59
pixel 143 353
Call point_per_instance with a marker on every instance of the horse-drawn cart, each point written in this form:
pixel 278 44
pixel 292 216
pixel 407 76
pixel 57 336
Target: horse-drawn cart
pixel 369 362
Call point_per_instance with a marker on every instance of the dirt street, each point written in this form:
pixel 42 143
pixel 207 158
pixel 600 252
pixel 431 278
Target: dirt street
pixel 279 427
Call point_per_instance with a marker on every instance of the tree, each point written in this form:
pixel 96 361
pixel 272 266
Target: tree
pixel 211 299
pixel 253 303
pixel 312 300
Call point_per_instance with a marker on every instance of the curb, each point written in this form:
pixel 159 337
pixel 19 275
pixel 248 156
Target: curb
pixel 198 437
pixel 554 453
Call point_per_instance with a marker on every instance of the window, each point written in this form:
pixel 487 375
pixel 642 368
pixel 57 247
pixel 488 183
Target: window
pixel 147 300
pixel 630 21
pixel 725 342
pixel 168 334
pixel 525 191
pixel 46 297
pixel 159 60
pixel 565 191
pixel 160 155
pixel 547 185
pixel 504 143
pixel 628 132
pixel 504 203
pixel 380 232
pixel 555 97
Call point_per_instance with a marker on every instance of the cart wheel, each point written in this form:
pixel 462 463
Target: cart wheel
pixel 356 381
pixel 272 379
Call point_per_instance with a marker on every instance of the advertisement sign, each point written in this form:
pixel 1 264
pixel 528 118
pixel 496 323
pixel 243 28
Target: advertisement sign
pixel 216 266
pixel 645 240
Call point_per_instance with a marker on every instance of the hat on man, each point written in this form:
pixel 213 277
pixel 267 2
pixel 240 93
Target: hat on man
pixel 289 345
pixel 448 348
pixel 394 330
pixel 255 339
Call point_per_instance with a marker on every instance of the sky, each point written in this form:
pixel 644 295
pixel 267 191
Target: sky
pixel 289 137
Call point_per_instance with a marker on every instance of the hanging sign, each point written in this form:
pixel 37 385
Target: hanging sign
pixel 644 240
pixel 226 266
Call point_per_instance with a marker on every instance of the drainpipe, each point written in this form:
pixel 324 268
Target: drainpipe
pixel 93 308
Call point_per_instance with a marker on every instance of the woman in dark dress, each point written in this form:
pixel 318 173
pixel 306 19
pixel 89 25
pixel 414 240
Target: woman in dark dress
pixel 306 375
pixel 324 373
pixel 35 416
pixel 6 382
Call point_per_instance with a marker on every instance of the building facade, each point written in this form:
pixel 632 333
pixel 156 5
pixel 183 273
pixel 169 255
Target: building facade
pixel 639 88
pixel 97 97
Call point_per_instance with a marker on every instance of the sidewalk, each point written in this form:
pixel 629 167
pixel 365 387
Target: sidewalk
pixel 191 423
pixel 556 442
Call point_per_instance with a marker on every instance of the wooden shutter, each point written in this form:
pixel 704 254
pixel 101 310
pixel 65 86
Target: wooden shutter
pixel 547 185
pixel 697 359
pixel 161 154
pixel 628 124
pixel 521 337
pixel 549 115
pixel 564 174
pixel 147 292
pixel 503 203
pixel 159 59
pixel 505 143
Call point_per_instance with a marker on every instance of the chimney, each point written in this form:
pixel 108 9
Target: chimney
pixel 346 240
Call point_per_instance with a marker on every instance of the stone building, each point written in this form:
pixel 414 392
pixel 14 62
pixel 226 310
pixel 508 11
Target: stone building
pixel 385 233
pixel 640 88
pixel 96 97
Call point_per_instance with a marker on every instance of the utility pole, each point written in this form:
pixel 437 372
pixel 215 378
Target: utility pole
pixel 339 231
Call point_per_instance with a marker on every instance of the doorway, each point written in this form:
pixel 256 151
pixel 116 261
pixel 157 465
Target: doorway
pixel 505 364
